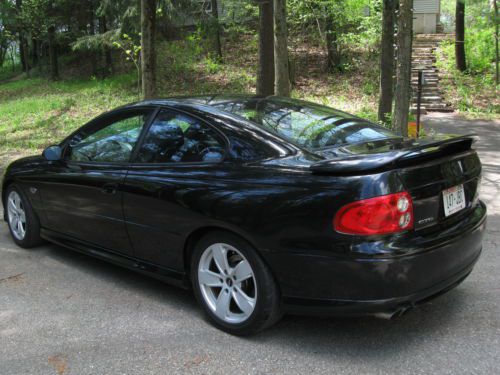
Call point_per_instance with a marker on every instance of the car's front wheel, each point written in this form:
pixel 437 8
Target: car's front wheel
pixel 233 284
pixel 22 220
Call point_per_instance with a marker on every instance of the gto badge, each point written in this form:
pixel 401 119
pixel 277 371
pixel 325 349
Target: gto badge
pixel 426 220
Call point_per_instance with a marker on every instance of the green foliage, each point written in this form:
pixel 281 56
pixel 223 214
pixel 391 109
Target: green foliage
pixel 472 94
pixel 479 33
pixel 212 64
pixel 96 42
pixel 355 21
pixel 239 17
pixel 182 55
pixel 132 52
pixel 480 46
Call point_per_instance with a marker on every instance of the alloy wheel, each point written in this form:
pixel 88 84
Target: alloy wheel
pixel 16 215
pixel 227 283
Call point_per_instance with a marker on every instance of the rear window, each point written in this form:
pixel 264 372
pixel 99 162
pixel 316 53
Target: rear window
pixel 309 125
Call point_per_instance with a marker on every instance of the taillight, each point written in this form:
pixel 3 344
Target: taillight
pixel 380 215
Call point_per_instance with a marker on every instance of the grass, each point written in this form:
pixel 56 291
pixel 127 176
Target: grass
pixel 473 94
pixel 35 112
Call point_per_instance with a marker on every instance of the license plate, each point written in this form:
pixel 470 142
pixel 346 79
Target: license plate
pixel 453 199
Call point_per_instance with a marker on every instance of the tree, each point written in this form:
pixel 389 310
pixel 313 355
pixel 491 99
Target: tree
pixel 7 29
pixel 334 57
pixel 387 61
pixel 54 66
pixel 460 35
pixel 22 40
pixel 148 52
pixel 495 5
pixel 216 28
pixel 281 66
pixel 403 67
pixel 265 72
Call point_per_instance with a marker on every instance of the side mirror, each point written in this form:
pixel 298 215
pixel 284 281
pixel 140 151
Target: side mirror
pixel 52 153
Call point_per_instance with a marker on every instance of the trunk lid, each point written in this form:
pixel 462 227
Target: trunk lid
pixel 426 168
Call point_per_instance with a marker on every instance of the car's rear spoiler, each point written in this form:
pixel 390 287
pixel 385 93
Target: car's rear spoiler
pixel 370 163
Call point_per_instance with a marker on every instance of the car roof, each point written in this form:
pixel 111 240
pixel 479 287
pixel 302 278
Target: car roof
pixel 194 100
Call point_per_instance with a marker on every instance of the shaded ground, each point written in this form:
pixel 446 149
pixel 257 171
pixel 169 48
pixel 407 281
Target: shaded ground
pixel 65 313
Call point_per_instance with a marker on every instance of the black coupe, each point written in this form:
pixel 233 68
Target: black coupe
pixel 262 205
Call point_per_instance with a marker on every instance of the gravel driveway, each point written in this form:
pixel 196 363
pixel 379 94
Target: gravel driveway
pixel 66 313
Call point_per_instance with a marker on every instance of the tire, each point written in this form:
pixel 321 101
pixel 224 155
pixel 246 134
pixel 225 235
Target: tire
pixel 250 304
pixel 31 226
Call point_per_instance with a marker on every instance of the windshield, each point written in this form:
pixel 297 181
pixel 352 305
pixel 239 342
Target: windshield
pixel 307 124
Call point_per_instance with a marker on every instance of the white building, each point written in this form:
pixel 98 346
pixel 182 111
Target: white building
pixel 426 16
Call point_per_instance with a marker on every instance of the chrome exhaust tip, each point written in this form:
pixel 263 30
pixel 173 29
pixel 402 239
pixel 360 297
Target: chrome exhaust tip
pixel 388 315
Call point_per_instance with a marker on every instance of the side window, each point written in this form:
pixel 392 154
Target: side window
pixel 112 143
pixel 175 137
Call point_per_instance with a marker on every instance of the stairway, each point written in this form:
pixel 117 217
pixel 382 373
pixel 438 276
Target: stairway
pixel 423 58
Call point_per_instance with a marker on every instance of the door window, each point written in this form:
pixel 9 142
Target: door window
pixel 112 143
pixel 175 137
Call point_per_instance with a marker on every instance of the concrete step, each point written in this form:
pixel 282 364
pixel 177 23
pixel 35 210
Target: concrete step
pixel 430 99
pixel 434 106
pixel 424 48
pixel 446 109
pixel 427 76
pixel 427 82
pixel 424 110
pixel 430 70
pixel 426 62
pixel 424 59
pixel 430 40
pixel 417 67
pixel 435 92
pixel 428 93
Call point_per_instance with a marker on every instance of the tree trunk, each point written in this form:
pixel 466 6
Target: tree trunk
pixel 93 52
pixel 3 54
pixel 148 53
pixel 265 73
pixel 54 66
pixel 217 42
pixel 387 61
pixel 12 58
pixel 34 51
pixel 25 56
pixel 460 35
pixel 497 21
pixel 281 67
pixel 332 46
pixel 106 50
pixel 22 52
pixel 403 67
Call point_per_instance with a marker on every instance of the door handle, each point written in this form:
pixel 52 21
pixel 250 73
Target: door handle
pixel 109 188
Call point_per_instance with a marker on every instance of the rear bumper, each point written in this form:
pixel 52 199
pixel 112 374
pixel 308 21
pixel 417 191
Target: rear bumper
pixel 372 307
pixel 359 285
